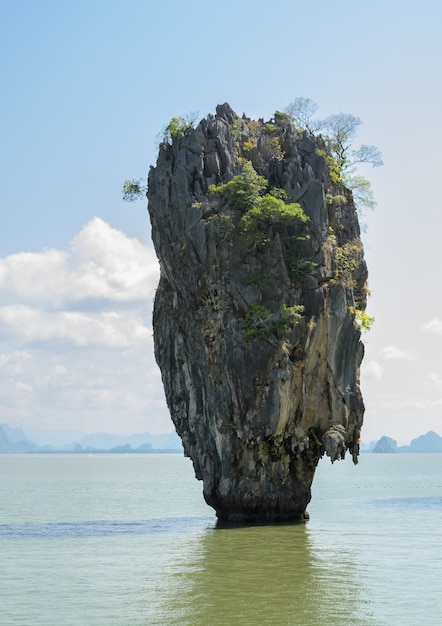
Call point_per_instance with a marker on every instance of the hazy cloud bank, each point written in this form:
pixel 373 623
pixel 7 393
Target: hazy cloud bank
pixel 75 335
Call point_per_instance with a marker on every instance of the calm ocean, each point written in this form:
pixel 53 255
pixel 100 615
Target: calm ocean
pixel 127 540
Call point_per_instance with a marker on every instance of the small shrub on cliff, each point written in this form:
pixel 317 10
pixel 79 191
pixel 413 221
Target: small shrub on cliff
pixel 243 191
pixel 222 225
pixel 260 323
pixel 178 126
pixel 270 128
pixel 254 322
pixel 249 146
pixel 244 125
pixel 337 199
pixel 334 168
pixel 134 190
pixel 364 321
pixel 271 148
pixel 292 314
pixel 299 266
pixel 346 261
pixel 270 212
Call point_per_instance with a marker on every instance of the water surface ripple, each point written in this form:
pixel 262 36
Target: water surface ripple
pixel 127 540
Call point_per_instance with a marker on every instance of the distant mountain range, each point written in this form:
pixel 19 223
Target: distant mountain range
pixel 430 442
pixel 14 440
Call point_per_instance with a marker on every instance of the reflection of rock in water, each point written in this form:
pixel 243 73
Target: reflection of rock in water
pixel 265 576
pixel 254 323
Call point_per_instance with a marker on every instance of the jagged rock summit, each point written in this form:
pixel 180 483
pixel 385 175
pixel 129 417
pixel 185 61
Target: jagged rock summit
pixel 256 314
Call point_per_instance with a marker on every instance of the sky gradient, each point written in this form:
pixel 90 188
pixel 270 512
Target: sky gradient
pixel 87 87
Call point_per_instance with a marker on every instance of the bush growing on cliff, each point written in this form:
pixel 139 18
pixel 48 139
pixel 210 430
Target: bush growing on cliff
pixel 134 190
pixel 261 211
pixel 339 131
pixel 260 322
pixel 346 261
pixel 271 148
pixel 364 321
pixel 178 126
pixel 271 212
pixel 299 266
pixel 334 168
pixel 244 190
pixel 222 225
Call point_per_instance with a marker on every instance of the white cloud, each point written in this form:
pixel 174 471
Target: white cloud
pixel 102 264
pixel 111 265
pixel 434 326
pixel 27 276
pixel 76 339
pixel 29 325
pixel 22 386
pixel 407 403
pixel 89 390
pixel 393 353
pixel 13 362
pixel 71 297
pixel 400 403
pixel 435 379
pixel 372 370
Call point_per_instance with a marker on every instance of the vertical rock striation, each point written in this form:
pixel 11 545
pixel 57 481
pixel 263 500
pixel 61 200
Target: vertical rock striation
pixel 255 318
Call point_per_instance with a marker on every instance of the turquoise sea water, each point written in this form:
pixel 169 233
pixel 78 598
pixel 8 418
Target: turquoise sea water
pixel 110 540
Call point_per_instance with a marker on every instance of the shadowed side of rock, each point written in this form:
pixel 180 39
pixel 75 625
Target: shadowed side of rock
pixel 255 325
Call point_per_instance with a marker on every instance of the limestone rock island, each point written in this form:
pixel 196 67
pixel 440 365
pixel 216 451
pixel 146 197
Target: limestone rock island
pixel 257 312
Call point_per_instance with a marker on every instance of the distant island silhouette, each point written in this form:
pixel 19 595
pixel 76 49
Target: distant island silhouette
pixel 430 442
pixel 14 440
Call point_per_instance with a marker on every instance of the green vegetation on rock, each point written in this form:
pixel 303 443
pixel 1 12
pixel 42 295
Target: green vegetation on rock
pixel 273 213
pixel 347 259
pixel 339 131
pixel 260 322
pixel 244 190
pixel 176 127
pixel 261 211
pixel 364 321
pixel 134 190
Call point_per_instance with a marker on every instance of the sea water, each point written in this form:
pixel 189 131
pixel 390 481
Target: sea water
pixel 127 540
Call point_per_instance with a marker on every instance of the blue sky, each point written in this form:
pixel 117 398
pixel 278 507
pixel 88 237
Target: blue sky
pixel 87 87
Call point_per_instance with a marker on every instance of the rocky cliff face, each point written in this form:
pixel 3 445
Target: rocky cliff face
pixel 255 319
